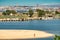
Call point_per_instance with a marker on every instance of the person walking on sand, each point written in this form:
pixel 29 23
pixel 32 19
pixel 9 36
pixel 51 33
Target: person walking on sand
pixel 34 35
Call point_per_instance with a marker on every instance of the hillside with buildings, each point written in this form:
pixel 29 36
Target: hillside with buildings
pixel 43 12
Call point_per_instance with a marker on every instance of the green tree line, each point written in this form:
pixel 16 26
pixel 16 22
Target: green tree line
pixel 8 12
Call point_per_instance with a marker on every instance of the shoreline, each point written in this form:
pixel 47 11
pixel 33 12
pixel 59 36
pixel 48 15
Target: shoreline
pixel 18 19
pixel 23 34
pixel 25 19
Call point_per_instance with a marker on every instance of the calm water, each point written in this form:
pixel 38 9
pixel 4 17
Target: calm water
pixel 51 26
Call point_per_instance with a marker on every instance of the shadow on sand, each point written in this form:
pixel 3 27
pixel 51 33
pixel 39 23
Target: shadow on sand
pixel 50 38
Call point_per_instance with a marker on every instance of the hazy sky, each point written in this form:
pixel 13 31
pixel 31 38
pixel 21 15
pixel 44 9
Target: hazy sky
pixel 28 2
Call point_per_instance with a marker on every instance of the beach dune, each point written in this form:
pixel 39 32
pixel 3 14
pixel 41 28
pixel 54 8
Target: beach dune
pixel 23 34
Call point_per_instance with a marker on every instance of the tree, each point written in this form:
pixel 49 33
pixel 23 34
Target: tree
pixel 40 12
pixel 30 13
pixel 56 12
pixel 8 12
pixel 4 13
pixel 13 11
pixel 57 37
pixel 47 12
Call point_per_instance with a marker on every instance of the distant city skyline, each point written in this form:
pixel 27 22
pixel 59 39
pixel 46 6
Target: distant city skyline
pixel 28 2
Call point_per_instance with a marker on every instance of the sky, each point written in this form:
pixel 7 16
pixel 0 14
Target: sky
pixel 28 2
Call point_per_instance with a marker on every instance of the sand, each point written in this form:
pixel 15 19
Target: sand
pixel 23 34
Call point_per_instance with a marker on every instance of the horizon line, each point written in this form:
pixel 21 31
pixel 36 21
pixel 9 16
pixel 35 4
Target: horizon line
pixel 34 5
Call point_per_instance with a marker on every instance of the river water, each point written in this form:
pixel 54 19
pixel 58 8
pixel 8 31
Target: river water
pixel 50 26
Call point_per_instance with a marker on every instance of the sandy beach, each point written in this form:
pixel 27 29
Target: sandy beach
pixel 23 34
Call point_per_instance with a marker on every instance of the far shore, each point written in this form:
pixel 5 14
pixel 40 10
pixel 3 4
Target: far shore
pixel 23 34
pixel 25 19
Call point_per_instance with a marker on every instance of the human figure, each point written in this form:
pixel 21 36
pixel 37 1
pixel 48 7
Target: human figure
pixel 34 34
